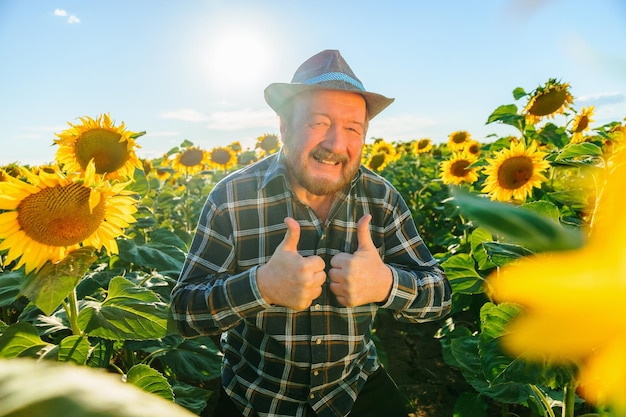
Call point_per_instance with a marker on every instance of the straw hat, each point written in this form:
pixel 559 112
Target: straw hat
pixel 326 70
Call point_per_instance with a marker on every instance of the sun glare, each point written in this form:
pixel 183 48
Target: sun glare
pixel 236 58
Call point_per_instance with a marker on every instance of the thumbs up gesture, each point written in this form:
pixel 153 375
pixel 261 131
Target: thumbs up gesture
pixel 289 279
pixel 362 277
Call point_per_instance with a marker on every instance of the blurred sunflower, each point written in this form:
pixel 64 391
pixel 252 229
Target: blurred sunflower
pixel 51 213
pixel 581 124
pixel 424 145
pixel 377 161
pixel 548 100
pixel 236 147
pixel 455 170
pixel 381 146
pixel 268 144
pixel 458 140
pixel 112 148
pixel 222 158
pixel 514 172
pixel 585 323
pixel 473 147
pixel 190 160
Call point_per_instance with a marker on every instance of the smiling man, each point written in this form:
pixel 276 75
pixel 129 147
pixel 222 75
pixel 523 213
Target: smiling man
pixel 294 255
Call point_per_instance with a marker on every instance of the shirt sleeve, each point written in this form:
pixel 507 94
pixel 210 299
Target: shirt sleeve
pixel 211 296
pixel 420 290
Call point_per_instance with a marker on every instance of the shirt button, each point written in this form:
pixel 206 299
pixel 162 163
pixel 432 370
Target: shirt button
pixel 318 341
pixel 312 396
pixel 318 307
pixel 316 372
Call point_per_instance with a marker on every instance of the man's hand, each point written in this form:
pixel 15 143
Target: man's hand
pixel 362 277
pixel 289 279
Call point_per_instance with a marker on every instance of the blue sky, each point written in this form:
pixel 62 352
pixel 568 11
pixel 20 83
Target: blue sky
pixel 196 69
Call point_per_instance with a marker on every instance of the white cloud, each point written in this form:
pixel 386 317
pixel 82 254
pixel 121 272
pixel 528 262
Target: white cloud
pixel 63 13
pixel 602 99
pixel 186 115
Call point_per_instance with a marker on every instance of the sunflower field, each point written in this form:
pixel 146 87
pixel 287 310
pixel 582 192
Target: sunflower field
pixel 528 227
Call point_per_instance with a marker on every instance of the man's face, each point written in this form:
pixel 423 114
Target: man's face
pixel 324 139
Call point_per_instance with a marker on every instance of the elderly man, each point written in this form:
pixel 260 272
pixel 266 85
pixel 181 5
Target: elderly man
pixel 294 255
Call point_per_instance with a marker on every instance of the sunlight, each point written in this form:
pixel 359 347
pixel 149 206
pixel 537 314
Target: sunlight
pixel 236 58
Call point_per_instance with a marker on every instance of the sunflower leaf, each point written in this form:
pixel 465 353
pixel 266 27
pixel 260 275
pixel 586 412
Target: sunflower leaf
pixel 129 312
pixel 150 380
pixel 523 226
pixel 519 93
pixel 48 287
pixel 506 114
pixel 22 340
pixel 63 390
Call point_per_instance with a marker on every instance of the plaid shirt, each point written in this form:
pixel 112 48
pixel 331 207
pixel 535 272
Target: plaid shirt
pixel 277 359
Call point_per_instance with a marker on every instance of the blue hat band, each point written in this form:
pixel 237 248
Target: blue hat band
pixel 334 76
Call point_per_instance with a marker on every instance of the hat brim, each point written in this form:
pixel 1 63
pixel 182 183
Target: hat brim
pixel 277 94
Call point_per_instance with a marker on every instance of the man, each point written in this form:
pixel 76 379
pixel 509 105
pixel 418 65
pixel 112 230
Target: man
pixel 294 255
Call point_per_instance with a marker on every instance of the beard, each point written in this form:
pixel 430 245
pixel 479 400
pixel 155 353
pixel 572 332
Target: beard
pixel 296 163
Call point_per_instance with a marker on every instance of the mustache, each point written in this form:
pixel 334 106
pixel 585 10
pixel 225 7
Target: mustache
pixel 326 155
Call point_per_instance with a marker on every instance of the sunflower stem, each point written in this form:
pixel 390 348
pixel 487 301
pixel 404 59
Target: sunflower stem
pixel 72 312
pixel 569 398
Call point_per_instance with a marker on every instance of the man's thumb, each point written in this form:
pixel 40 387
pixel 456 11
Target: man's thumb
pixel 363 233
pixel 290 241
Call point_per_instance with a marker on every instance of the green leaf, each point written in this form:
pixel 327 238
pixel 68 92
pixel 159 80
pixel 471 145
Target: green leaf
pixel 517 224
pixel 544 208
pixel 48 287
pixel 52 389
pixel 519 93
pixel 74 349
pixel 507 114
pixel 162 257
pixel 195 359
pixel 10 282
pixel 129 312
pixel 477 238
pixel 501 254
pixel 470 404
pixel 140 183
pixel 22 340
pixel 150 380
pixel 192 398
pixel 462 274
pixel 580 153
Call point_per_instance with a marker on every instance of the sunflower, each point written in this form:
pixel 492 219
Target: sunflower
pixel 377 161
pixel 389 149
pixel 581 124
pixel 473 147
pixel 111 148
pixel 222 158
pixel 51 213
pixel 268 143
pixel 458 140
pixel 190 161
pixel 514 172
pixel 548 100
pixel 455 170
pixel 236 147
pixel 423 145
